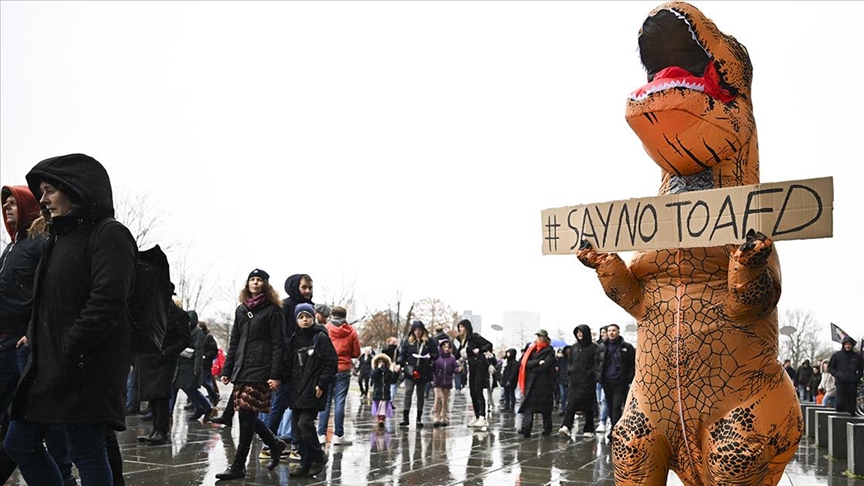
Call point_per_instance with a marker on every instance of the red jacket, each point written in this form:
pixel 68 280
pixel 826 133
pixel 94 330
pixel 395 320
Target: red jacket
pixel 346 342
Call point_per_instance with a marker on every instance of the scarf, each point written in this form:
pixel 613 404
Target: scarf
pixel 535 346
pixel 255 301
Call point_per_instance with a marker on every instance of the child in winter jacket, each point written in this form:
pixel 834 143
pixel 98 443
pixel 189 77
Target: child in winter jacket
pixel 443 370
pixel 382 377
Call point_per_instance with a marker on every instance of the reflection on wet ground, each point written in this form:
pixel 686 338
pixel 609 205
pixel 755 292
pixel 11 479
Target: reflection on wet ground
pixel 455 455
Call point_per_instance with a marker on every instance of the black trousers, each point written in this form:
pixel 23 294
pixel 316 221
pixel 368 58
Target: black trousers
pixel 306 434
pixel 582 397
pixel 161 413
pixel 528 420
pixel 475 386
pixel 616 395
pixel 847 395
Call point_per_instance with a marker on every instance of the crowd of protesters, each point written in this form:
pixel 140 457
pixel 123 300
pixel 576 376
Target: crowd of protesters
pixel 68 378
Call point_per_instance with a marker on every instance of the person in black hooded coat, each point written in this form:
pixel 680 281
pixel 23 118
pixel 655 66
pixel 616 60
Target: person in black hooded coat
pixel 473 347
pixel 509 376
pixel 582 386
pixel 537 375
pixel 80 333
pixel 156 374
pixel 416 356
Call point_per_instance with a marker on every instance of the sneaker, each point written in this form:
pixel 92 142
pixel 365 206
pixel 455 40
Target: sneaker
pixel 601 428
pixel 322 439
pixel 265 454
pixel 340 440
pixel 588 435
pixel 294 456
pixel 564 431
pixel 481 422
pixel 473 422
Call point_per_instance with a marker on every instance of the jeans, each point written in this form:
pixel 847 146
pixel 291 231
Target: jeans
pixel 830 401
pixel 207 383
pixel 285 432
pixel 604 406
pixel 86 442
pixel 338 393
pixel 12 363
pixel 196 397
pixel 278 407
pixel 562 394
pixel 132 401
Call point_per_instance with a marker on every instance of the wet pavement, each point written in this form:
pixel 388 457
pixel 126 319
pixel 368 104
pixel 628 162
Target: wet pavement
pixel 455 455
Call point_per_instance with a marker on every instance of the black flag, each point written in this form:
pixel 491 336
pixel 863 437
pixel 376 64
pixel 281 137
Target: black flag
pixel 837 334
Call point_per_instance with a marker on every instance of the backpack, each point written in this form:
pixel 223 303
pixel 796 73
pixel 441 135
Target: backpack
pixel 148 299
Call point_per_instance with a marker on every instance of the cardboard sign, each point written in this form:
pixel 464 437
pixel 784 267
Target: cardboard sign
pixel 792 210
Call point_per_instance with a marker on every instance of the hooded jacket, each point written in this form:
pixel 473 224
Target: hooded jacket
pixel 382 377
pixel 18 265
pixel 477 363
pixel 311 361
pixel 443 369
pixel 80 333
pixel 846 366
pixel 345 341
pixel 292 289
pixel 510 369
pixel 580 366
pixel 412 347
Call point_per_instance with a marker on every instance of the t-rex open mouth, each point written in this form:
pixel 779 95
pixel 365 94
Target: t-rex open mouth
pixel 673 58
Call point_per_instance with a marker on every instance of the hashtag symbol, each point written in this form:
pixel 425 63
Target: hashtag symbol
pixel 552 231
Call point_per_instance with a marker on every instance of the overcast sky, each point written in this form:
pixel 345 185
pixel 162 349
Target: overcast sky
pixel 410 146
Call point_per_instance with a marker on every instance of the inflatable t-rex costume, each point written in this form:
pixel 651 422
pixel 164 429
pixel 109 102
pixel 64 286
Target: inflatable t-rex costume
pixel 710 399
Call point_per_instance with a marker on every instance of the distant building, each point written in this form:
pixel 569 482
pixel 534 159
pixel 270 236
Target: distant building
pixel 519 328
pixel 476 321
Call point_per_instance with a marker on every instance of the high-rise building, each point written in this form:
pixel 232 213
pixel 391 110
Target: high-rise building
pixel 519 328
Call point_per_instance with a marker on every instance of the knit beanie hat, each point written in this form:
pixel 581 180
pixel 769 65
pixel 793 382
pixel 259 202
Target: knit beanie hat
pixel 304 307
pixel 260 274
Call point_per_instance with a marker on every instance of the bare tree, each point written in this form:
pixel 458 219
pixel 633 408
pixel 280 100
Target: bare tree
pixel 434 312
pixel 142 218
pixel 193 287
pixel 375 330
pixel 804 342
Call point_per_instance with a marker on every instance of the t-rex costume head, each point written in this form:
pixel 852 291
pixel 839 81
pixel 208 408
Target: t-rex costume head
pixel 710 400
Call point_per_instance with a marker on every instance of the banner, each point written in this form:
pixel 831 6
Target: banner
pixel 837 334
pixel 791 210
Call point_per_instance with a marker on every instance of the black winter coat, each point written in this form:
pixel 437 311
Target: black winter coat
pixel 256 351
pixel 188 375
pixel 581 364
pixel 292 289
pixel 424 365
pixel 17 272
pixel 846 367
pixel 539 381
pixel 477 363
pixel 312 362
pixel 628 361
pixel 156 372
pixel 364 364
pixel 381 380
pixel 510 369
pixel 80 334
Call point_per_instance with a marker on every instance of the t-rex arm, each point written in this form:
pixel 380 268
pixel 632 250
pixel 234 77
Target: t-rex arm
pixel 618 281
pixel 754 279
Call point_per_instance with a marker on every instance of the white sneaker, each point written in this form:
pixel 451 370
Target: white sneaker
pixel 322 439
pixel 340 440
pixel 481 422
pixel 601 428
pixel 473 422
pixel 588 435
pixel 564 431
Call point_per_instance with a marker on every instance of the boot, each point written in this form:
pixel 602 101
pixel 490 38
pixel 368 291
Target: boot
pixel 145 438
pixel 275 445
pixel 237 469
pixel 381 419
pixel 158 438
pixel 420 420
pixel 404 422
